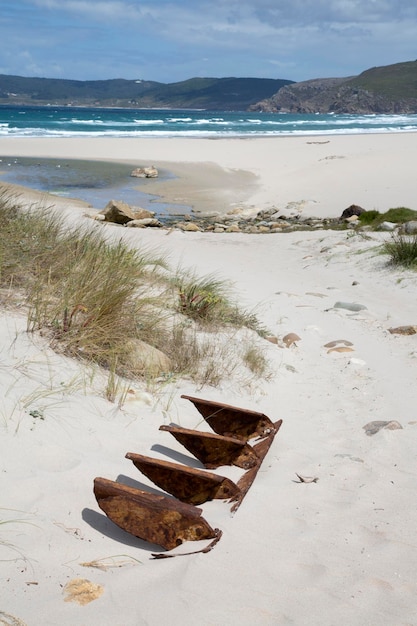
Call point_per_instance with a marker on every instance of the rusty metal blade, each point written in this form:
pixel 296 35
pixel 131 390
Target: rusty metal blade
pixel 155 518
pixel 225 419
pixel 188 484
pixel 247 479
pixel 214 450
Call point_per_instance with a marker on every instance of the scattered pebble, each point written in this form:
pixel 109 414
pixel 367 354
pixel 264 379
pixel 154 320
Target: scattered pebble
pixel 333 344
pixel 374 427
pixel 403 330
pixel 350 306
pixel 291 339
pixel 340 349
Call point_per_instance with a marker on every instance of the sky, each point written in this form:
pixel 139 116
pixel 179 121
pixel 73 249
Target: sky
pixel 173 40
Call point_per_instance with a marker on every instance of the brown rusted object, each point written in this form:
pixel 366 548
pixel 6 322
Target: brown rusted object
pixel 247 479
pixel 155 518
pixel 188 484
pixel 225 419
pixel 214 450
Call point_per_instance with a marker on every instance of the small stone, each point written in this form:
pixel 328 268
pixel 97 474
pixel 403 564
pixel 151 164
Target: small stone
pixel 387 226
pixel 350 306
pixel 291 339
pixel 190 227
pixel 374 427
pixel 403 330
pixel 333 344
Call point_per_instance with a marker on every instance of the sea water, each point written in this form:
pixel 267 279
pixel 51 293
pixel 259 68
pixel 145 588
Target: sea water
pixel 98 182
pixel 51 121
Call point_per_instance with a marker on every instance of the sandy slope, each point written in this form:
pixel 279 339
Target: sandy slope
pixel 342 549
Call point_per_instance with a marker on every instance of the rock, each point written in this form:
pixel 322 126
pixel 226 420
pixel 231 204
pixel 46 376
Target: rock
pixel 291 339
pixel 334 344
pixel 141 214
pixel 233 228
pixel 118 212
pixel 144 223
pixel 387 226
pixel 144 359
pixel 403 330
pixel 145 172
pixel 272 339
pixel 350 306
pixel 340 349
pixel 353 209
pixel 189 227
pixel 374 427
pixel 410 228
pixel 352 219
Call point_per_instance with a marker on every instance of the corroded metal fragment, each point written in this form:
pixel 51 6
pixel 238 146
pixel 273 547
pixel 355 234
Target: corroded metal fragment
pixel 155 518
pixel 225 419
pixel 214 450
pixel 247 479
pixel 188 484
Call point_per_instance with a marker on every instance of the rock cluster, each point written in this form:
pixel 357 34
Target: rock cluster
pixel 240 220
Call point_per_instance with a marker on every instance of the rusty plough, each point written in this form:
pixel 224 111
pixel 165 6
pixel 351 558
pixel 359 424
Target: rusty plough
pixel 170 521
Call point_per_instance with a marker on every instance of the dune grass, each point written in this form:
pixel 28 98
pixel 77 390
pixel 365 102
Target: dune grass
pixel 402 250
pixel 106 302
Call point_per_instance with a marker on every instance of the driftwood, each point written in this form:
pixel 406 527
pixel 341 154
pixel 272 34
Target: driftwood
pixel 233 421
pixel 188 484
pixel 155 518
pixel 214 450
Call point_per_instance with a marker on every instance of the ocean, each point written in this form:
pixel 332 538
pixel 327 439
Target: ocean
pixel 97 182
pixel 53 121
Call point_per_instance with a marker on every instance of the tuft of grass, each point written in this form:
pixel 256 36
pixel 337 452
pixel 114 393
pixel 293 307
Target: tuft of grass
pixel 255 360
pixel 207 300
pixel 402 250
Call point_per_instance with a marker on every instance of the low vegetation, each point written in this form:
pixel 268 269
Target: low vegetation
pixel 402 250
pixel 121 308
pixel 399 215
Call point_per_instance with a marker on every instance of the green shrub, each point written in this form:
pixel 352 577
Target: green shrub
pixel 398 215
pixel 369 217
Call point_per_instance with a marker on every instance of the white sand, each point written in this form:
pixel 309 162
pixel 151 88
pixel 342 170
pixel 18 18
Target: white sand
pixel 319 175
pixel 339 551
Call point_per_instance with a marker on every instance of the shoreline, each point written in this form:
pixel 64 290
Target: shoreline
pixel 310 175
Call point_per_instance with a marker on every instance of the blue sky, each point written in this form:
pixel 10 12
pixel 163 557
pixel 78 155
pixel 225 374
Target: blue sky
pixel 172 40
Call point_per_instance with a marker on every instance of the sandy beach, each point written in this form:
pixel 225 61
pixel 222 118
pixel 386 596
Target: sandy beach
pixel 339 548
pixel 318 176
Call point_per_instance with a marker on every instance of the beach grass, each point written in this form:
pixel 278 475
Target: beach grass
pixel 402 250
pixel 118 307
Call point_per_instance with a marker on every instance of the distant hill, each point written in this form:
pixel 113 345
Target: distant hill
pixel 196 93
pixel 388 89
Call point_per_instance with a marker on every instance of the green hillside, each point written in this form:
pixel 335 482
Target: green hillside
pixel 393 81
pixel 204 93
